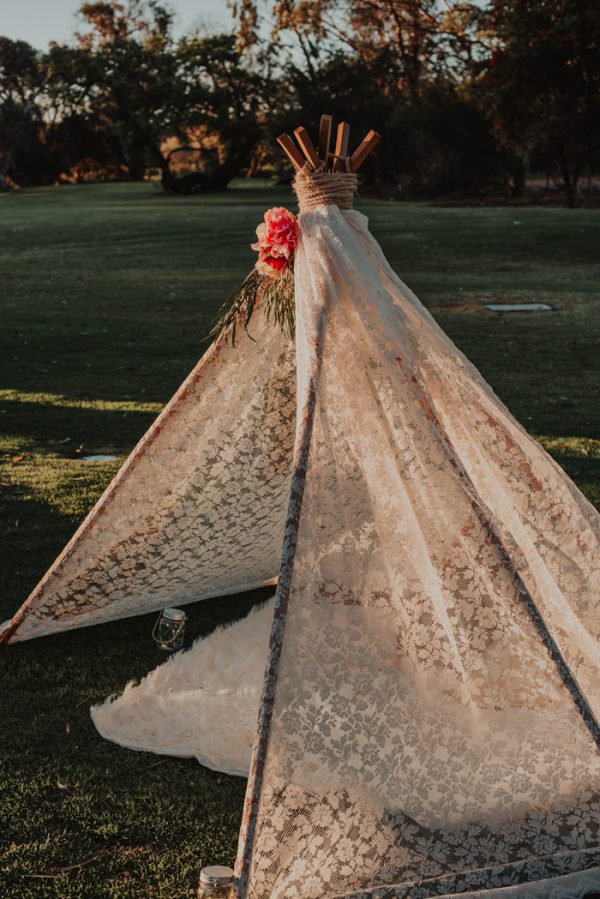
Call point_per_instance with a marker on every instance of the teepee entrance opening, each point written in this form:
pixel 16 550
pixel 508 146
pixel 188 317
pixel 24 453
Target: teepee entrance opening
pixel 428 721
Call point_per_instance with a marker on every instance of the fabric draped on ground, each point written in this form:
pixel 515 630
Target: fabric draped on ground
pixel 200 703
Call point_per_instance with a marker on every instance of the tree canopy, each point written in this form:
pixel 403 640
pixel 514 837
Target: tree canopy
pixel 470 97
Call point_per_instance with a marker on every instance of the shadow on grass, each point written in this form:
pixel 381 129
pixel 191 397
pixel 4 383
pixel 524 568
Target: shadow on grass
pixel 584 472
pixel 107 646
pixel 148 823
pixel 33 533
pixel 45 424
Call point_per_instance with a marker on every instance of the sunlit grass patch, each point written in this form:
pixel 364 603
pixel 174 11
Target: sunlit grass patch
pixel 56 399
pixel 585 447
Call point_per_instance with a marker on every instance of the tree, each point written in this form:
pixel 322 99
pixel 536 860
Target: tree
pixel 541 83
pixel 155 91
pixel 22 154
pixel 399 66
pixel 421 39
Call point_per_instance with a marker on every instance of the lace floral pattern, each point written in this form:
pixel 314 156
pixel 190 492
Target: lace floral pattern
pixel 335 842
pixel 429 721
pixel 198 509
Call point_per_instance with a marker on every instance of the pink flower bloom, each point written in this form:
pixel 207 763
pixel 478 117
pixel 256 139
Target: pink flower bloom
pixel 277 240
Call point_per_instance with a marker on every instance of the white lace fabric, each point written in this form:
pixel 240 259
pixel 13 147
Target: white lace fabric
pixel 199 507
pixel 429 722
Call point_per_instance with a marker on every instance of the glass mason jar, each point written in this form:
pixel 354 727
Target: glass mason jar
pixel 215 882
pixel 169 629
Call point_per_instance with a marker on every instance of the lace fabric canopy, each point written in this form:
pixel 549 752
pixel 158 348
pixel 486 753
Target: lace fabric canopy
pixel 429 723
pixel 429 717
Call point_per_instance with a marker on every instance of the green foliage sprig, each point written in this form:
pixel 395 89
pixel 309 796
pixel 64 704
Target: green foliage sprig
pixel 275 295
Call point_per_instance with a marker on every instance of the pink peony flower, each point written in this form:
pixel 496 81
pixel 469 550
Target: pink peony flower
pixel 277 240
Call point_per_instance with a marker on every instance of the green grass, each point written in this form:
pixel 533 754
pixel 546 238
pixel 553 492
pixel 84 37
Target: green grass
pixel 107 292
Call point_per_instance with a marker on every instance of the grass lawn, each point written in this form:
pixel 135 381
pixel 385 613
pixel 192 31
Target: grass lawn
pixel 107 293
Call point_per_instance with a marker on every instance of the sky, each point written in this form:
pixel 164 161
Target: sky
pixel 40 21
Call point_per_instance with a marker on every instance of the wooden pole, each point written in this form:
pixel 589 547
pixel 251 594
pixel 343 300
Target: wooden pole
pixel 341 146
pixel 307 146
pixel 362 151
pixel 325 138
pixel 291 151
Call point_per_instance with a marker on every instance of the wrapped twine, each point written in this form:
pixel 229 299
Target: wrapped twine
pixel 320 188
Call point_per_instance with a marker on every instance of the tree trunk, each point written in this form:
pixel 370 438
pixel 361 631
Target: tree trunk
pixel 519 178
pixel 135 160
pixel 569 177
pixel 215 180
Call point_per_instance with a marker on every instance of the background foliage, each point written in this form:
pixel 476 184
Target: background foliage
pixel 471 98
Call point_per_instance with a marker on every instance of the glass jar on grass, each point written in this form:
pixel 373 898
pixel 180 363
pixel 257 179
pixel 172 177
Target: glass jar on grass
pixel 169 629
pixel 215 882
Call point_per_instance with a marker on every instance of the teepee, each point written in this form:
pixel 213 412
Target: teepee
pixel 428 724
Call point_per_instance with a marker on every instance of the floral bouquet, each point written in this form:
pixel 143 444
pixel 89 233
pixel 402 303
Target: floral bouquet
pixel 271 281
